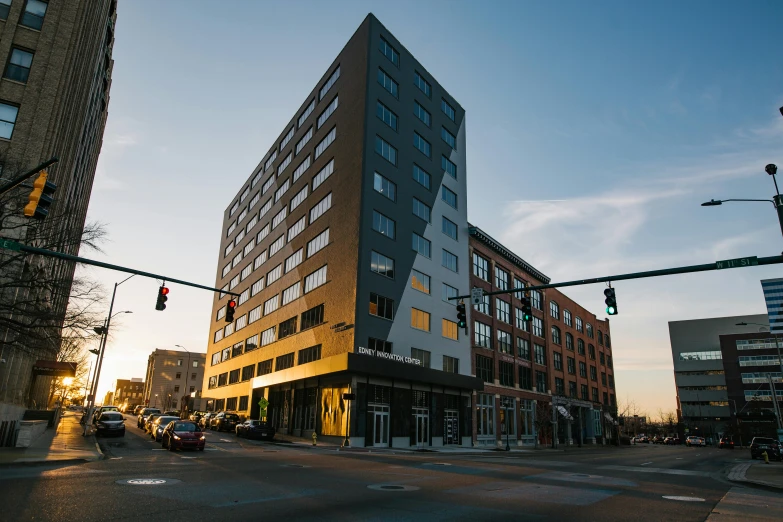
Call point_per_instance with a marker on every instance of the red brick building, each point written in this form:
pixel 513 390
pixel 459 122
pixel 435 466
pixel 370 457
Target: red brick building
pixel 563 357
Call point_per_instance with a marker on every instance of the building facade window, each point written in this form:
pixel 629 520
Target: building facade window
pixel 420 281
pixel 420 320
pixel 33 15
pixel 557 360
pixel 525 378
pixel 448 291
pixel 448 137
pixel 381 306
pixel 386 115
pixel 537 300
pixel 18 68
pixel 523 348
pixel 449 228
pixel 383 224
pixel 569 341
pixel 422 114
pixel 379 345
pixel 554 310
pixel 502 310
pixel 482 335
pixel 448 167
pixel 483 306
pixel 539 353
pixel 421 355
pixel 422 177
pixel 422 145
pixel 484 369
pixel 506 373
pixel 380 264
pixel 385 150
pixel 501 279
pixel 480 267
pixel 450 330
pixel 312 317
pixel 388 83
pixel 422 210
pixel 582 369
pixel 541 382
pixel 571 366
pixel 421 246
pixel 324 173
pixel 504 342
pixel 385 187
pixel 316 279
pixel 580 347
pixel 556 335
pixel 422 84
pixel 449 197
pixel 538 327
pixel 449 261
pixel 8 115
pixel 448 110
pixel 389 51
pixel 450 364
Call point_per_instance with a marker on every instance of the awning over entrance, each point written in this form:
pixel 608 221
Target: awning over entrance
pixel 369 365
pixel 564 413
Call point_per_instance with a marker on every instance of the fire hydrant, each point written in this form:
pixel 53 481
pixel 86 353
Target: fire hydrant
pixel 315 439
pixel 766 457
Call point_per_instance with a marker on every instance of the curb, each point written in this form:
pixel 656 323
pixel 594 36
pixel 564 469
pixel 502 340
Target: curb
pixel 737 475
pixel 32 463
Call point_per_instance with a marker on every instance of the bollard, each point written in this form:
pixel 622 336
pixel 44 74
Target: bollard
pixel 315 439
pixel 766 457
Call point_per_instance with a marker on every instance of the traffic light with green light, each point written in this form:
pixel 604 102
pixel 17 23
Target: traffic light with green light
pixel 611 301
pixel 527 308
pixel 40 198
pixel 462 318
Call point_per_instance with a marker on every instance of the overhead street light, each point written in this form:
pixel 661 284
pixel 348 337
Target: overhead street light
pixel 777 199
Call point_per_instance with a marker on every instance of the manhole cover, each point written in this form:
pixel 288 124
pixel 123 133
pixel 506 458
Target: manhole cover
pixel 684 499
pixel 392 487
pixel 148 482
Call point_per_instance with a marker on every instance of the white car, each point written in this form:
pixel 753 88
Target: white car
pixel 695 441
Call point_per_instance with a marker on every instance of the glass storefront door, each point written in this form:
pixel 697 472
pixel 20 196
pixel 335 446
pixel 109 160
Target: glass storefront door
pixel 421 418
pixel 380 413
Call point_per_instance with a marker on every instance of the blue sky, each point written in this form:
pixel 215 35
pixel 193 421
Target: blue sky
pixel 594 131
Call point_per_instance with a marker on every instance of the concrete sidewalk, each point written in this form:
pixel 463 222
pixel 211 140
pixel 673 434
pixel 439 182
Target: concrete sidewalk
pixel 64 443
pixel 758 473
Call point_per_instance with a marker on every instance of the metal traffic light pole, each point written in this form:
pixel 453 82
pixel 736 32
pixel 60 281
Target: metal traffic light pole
pixel 21 179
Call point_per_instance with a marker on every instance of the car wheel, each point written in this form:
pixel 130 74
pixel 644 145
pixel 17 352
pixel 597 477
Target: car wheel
pixel 201 449
pixel 171 447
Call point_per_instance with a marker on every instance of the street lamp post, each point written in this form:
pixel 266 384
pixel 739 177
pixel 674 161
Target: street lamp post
pixel 104 331
pixel 777 199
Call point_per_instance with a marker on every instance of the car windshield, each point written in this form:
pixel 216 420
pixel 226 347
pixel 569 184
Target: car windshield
pixel 763 440
pixel 232 416
pixel 111 416
pixel 185 426
pixel 165 420
pixel 149 411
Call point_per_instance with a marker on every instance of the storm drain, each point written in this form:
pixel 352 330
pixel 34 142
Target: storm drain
pixel 392 487
pixel 148 482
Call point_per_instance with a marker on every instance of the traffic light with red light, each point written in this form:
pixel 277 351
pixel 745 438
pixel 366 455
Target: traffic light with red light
pixel 40 198
pixel 162 293
pixel 230 309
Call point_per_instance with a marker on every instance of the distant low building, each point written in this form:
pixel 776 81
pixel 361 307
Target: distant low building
pixel 632 425
pixel 172 375
pixel 128 391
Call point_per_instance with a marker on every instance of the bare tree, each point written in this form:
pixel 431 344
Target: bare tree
pixel 46 306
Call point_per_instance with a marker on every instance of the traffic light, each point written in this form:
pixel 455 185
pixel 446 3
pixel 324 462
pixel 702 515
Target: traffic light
pixel 527 308
pixel 611 301
pixel 230 308
pixel 40 198
pixel 162 293
pixel 462 318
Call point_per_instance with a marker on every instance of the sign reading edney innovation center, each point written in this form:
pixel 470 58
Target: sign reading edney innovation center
pixel 393 356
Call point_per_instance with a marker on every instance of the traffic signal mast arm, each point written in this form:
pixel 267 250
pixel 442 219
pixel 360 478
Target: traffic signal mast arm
pixel 30 173
pixel 772 260
pixel 12 245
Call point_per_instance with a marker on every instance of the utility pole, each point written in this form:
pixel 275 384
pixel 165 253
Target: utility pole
pixel 775 400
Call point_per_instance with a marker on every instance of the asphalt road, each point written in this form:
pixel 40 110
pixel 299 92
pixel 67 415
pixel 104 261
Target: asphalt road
pixel 249 480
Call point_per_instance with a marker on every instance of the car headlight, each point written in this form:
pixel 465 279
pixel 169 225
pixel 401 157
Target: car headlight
pixel 176 437
pixel 203 437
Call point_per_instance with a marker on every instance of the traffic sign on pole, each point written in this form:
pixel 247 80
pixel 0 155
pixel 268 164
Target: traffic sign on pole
pixel 737 263
pixel 476 296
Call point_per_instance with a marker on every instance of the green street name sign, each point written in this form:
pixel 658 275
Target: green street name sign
pixel 737 263
pixel 9 245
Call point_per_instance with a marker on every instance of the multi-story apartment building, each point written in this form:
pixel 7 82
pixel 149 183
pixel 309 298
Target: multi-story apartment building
pixel 54 94
pixel 343 246
pixel 561 358
pixel 749 361
pixel 172 377
pixel 700 374
pixel 128 391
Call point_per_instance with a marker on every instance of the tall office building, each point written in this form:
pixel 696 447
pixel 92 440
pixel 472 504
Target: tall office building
pixel 54 95
pixel 172 378
pixel 343 246
pixel 700 371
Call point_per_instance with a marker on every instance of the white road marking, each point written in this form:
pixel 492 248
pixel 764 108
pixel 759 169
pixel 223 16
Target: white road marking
pixel 159 449
pixel 644 464
pixel 683 499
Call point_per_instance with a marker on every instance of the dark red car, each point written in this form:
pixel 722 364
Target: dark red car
pixel 181 435
pixel 726 442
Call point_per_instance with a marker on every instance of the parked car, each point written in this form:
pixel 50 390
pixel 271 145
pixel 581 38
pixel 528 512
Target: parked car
pixel 761 444
pixel 224 421
pixel 669 441
pixel 641 439
pixel 255 429
pixel 145 412
pixel 138 409
pixel 172 413
pixel 181 434
pixel 110 423
pixel 658 439
pixel 204 421
pixel 150 419
pixel 159 424
pixel 693 440
pixel 196 416
pixel 726 442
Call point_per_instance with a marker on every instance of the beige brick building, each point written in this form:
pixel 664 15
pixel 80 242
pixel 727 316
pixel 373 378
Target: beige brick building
pixel 172 375
pixel 54 95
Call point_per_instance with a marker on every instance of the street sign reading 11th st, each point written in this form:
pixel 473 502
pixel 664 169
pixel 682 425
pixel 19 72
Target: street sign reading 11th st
pixel 737 263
